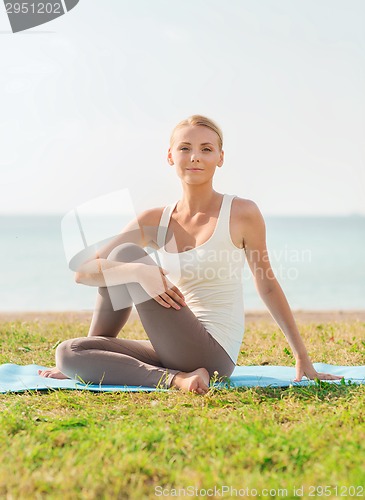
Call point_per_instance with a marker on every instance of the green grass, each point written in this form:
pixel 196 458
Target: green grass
pixel 75 444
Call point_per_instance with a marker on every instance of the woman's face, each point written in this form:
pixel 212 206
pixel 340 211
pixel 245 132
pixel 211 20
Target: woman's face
pixel 195 153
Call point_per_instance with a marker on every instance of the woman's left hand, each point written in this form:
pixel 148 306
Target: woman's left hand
pixel 306 368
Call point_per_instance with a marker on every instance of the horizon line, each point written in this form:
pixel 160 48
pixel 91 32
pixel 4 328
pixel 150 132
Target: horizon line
pixel 62 214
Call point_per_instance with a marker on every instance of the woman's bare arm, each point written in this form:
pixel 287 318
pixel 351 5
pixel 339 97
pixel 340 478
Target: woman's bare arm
pixel 95 270
pixel 102 272
pixel 271 292
pixel 142 231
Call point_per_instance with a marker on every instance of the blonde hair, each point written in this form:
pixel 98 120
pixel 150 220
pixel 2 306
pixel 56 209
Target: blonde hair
pixel 201 121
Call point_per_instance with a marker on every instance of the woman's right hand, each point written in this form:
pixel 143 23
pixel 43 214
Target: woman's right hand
pixel 155 283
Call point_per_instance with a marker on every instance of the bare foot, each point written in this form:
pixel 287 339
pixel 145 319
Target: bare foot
pixel 52 373
pixel 196 381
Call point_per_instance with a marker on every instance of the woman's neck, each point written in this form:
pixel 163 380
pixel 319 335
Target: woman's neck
pixel 198 201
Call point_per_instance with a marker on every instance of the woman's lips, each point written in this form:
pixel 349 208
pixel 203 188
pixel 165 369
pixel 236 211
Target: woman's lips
pixel 194 169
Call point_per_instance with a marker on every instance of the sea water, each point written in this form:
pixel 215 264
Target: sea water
pixel 318 261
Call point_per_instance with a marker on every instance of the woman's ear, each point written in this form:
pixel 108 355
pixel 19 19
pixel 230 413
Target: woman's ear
pixel 221 159
pixel 169 157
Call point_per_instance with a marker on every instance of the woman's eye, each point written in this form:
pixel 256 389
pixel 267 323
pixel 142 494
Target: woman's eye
pixel 183 149
pixel 207 149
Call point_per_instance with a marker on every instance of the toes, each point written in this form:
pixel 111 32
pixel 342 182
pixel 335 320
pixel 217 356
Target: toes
pixel 202 390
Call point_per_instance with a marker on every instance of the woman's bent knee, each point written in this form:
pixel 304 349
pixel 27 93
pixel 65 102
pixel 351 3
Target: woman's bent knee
pixel 127 252
pixel 65 356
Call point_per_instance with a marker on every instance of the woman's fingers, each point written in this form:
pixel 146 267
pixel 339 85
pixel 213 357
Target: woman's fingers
pixel 176 295
pixel 320 376
pixel 166 300
pixel 329 376
pixel 178 292
pixel 169 295
pixel 173 292
pixel 161 302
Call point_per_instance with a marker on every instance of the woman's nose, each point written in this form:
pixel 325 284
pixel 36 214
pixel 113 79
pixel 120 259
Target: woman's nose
pixel 194 157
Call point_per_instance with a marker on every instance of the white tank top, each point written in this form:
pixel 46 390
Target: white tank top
pixel 210 277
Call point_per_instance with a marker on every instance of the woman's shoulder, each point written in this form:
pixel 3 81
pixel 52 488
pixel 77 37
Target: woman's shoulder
pixel 244 208
pixel 247 220
pixel 148 221
pixel 151 216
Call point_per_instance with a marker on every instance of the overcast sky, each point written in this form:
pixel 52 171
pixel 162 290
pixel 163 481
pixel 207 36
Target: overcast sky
pixel 88 101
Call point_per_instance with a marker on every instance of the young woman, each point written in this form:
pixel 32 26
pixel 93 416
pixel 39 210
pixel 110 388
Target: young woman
pixel 195 319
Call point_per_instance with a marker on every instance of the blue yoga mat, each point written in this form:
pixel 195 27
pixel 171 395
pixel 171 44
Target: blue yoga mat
pixel 16 378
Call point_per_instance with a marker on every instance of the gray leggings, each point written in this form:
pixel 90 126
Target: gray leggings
pixel 177 340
